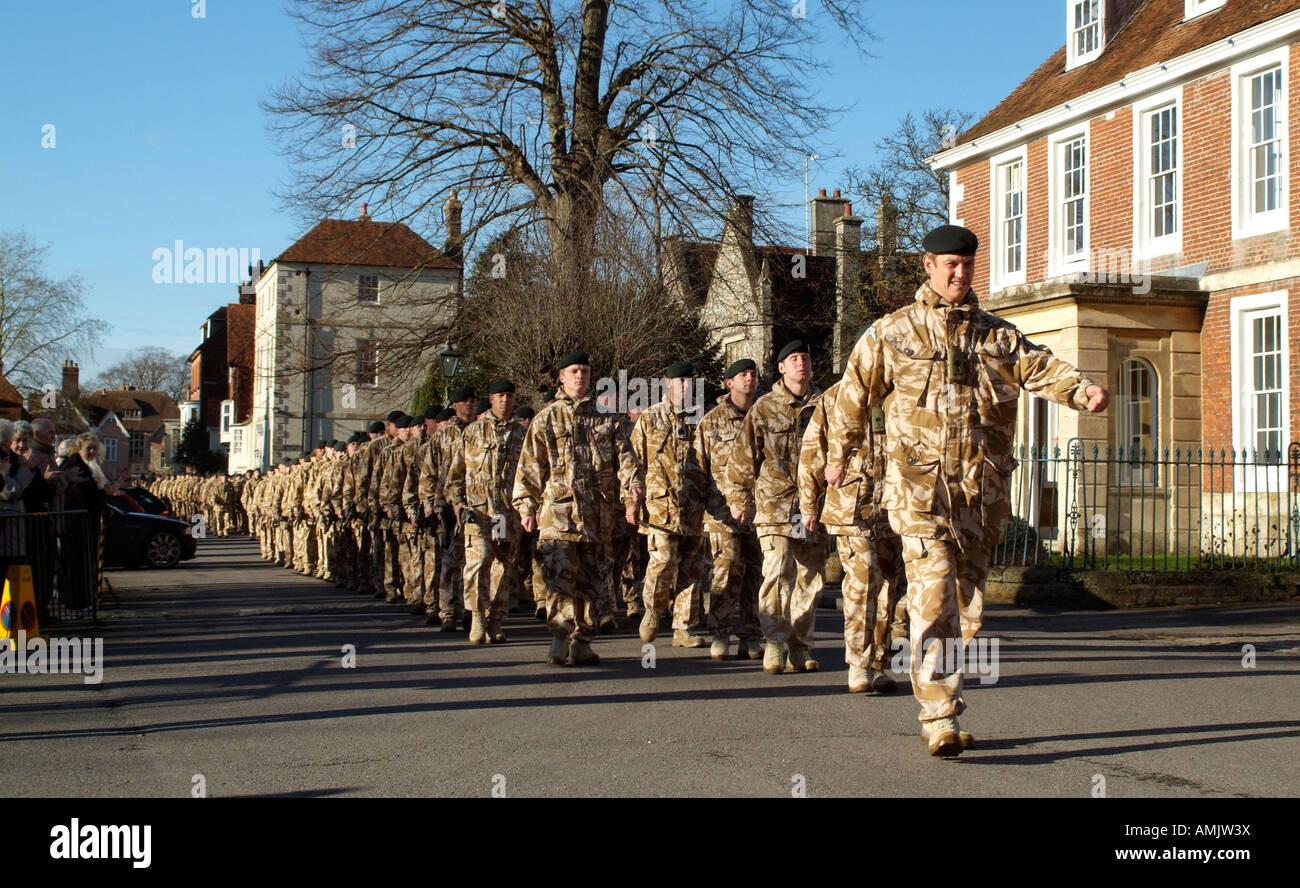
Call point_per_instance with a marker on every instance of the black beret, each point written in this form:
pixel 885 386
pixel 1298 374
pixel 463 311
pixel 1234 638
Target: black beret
pixel 795 346
pixel 500 387
pixel 321 445
pixel 393 415
pixel 525 413
pixel 306 454
pixel 951 240
pixel 375 427
pixel 464 393
pixel 445 414
pixel 577 357
pixel 402 422
pixel 433 411
pixel 739 367
pixel 483 406
pixel 678 370
pixel 549 395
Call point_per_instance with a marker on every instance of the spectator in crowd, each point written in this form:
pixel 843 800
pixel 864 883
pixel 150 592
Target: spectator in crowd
pixel 15 477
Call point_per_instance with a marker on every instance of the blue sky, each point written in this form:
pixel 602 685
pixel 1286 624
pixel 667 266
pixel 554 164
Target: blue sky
pixel 159 137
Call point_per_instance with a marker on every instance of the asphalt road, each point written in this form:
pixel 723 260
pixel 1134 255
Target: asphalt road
pixel 228 673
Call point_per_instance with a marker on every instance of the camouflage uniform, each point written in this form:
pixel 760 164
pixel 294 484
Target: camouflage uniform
pixel 428 484
pixel 569 474
pixel 732 570
pixel 870 551
pixel 673 508
pixel 955 374
pixel 761 480
pixel 372 478
pixel 481 476
pixel 418 536
pixel 451 590
pixel 358 501
pixel 392 472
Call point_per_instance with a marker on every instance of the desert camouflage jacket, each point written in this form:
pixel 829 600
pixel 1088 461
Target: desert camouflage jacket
pixel 674 484
pixel 482 473
pixel 853 508
pixel 715 441
pixel 573 462
pixel 949 379
pixel 762 471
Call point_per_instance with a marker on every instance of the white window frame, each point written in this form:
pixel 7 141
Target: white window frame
pixel 1242 309
pixel 1146 245
pixel 1194 8
pixel 371 344
pixel 999 277
pixel 110 450
pixel 1246 223
pixel 1073 58
pixel 237 440
pixel 361 276
pixel 1057 263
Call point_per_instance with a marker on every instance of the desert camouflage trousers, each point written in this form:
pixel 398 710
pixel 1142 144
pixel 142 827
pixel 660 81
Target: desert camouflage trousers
pixel 378 554
pixel 572 577
pixel 793 574
pixel 431 575
pixel 407 576
pixel 529 588
pixel 327 556
pixel 451 595
pixel 304 546
pixel 284 542
pixel 361 569
pixel 265 537
pixel 945 600
pixel 673 574
pixel 732 575
pixel 874 580
pixel 344 563
pixel 488 574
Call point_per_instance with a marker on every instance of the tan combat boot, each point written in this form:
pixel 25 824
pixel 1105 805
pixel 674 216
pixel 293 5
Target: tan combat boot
pixel 608 624
pixel 751 648
pixel 800 661
pixel 559 651
pixel 581 654
pixel 650 625
pixel 967 740
pixel 942 736
pixel 477 631
pixel 494 633
pixel 859 682
pixel 774 658
pixel 721 644
pixel 882 683
pixel 682 638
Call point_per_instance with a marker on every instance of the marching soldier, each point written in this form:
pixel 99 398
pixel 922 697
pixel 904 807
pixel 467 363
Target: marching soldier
pixel 870 552
pixel 428 485
pixel 661 441
pixel 948 376
pixel 479 484
pixel 363 526
pixel 735 557
pixel 761 488
pixel 451 595
pixel 570 470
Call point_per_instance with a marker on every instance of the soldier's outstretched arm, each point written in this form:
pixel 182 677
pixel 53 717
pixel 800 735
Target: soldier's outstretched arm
pixel 1040 372
pixel 863 386
pixel 531 474
pixel 631 450
pixel 812 462
pixel 454 485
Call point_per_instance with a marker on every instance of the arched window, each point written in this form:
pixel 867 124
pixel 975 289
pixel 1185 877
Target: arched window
pixel 1138 421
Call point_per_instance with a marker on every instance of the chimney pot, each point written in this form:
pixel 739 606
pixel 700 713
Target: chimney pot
pixel 848 209
pixel 837 193
pixel 365 216
pixel 821 192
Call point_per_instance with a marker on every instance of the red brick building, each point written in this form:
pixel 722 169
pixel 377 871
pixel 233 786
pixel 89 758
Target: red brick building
pixel 1133 198
pixel 221 369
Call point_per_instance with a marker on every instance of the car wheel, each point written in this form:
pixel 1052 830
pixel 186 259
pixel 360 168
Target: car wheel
pixel 163 549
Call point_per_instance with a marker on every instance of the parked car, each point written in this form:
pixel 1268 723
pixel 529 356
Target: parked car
pixel 132 538
pixel 143 501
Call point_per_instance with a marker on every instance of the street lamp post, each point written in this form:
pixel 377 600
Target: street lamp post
pixel 448 363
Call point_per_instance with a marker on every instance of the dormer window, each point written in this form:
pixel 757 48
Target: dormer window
pixel 1084 31
pixel 1193 8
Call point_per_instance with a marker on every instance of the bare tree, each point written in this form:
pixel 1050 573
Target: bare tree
pixel 42 321
pixel 150 369
pixel 519 318
pixel 540 112
pixel 902 177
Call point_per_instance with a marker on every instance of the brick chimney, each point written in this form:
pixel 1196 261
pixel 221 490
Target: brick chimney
pixel 825 210
pixel 848 282
pixel 71 380
pixel 451 213
pixel 364 216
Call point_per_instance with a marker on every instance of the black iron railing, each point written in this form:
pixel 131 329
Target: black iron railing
pixel 62 550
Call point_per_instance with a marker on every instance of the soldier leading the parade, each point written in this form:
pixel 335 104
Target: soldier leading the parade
pixel 948 377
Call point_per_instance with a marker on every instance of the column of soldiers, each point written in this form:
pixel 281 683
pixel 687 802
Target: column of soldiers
pixel 217 499
pixel 719 519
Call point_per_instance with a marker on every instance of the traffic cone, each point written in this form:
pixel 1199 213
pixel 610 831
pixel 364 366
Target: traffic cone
pixel 18 605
